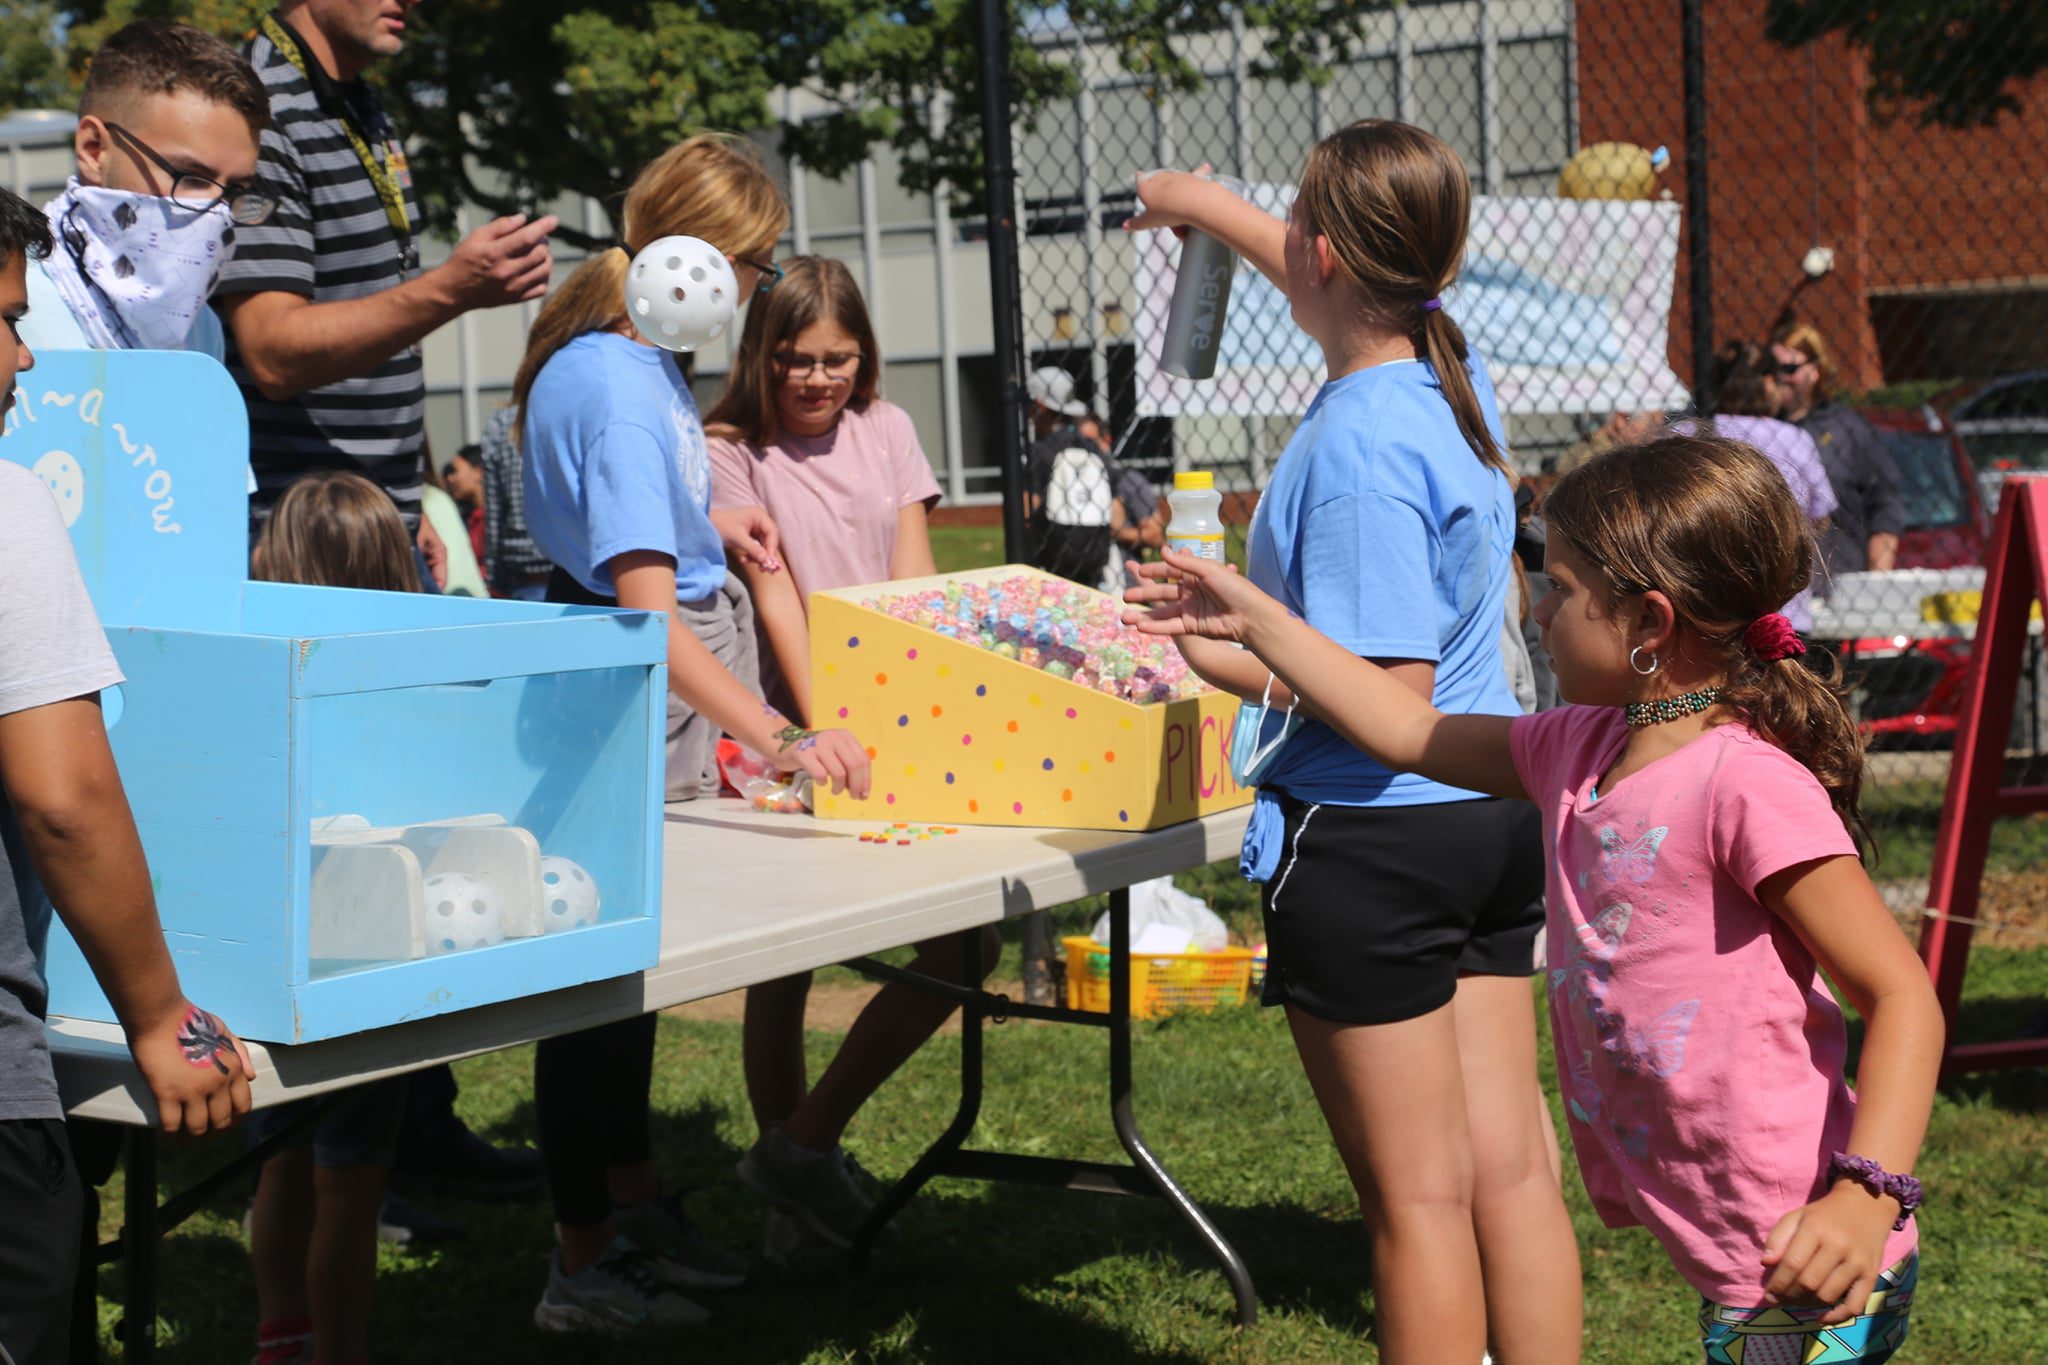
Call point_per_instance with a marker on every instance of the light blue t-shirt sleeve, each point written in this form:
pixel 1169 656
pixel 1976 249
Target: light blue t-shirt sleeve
pixel 49 325
pixel 626 493
pixel 206 336
pixel 1368 567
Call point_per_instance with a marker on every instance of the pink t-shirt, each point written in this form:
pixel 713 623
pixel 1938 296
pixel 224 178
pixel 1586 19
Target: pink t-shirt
pixel 1699 1051
pixel 834 497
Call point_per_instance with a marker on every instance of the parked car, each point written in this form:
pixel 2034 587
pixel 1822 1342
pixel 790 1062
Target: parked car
pixel 1911 691
pixel 2003 425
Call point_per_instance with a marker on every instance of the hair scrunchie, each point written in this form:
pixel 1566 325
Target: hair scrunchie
pixel 1772 638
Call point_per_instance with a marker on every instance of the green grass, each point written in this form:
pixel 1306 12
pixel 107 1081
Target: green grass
pixel 990 1273
pixel 1905 815
pixel 955 548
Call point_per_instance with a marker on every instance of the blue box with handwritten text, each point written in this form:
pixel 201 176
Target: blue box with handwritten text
pixel 359 808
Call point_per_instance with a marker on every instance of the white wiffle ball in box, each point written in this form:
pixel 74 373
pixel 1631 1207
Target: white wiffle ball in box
pixel 568 897
pixel 461 913
pixel 681 292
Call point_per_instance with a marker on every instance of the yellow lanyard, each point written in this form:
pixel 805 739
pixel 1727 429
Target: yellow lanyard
pixel 376 167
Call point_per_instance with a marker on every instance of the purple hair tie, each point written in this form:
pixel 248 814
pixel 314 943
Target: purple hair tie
pixel 1877 1180
pixel 1431 305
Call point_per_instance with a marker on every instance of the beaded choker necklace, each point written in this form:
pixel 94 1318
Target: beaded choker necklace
pixel 1671 708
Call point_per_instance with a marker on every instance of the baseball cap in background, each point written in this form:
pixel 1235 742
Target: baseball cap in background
pixel 1052 387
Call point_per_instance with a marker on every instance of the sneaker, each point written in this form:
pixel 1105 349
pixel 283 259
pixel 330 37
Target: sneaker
pixel 286 1353
pixel 619 1295
pixel 678 1249
pixel 791 1247
pixel 456 1161
pixel 293 1345
pixel 404 1223
pixel 828 1192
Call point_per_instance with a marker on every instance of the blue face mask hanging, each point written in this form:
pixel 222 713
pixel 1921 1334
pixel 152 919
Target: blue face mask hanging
pixel 1250 759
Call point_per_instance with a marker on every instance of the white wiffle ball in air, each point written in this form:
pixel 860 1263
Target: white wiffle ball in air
pixel 462 913
pixel 681 292
pixel 568 897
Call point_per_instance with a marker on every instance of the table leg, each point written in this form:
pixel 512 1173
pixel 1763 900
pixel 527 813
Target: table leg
pixel 936 1157
pixel 1145 1175
pixel 138 1249
pixel 1126 1123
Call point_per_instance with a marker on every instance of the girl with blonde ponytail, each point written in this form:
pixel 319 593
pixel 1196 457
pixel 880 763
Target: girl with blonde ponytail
pixel 1698 798
pixel 618 496
pixel 1401 910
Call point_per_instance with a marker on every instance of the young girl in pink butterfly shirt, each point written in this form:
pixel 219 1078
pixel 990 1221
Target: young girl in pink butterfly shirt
pixel 1699 801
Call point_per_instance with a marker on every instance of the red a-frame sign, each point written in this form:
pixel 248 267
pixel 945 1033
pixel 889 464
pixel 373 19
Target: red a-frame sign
pixel 2016 577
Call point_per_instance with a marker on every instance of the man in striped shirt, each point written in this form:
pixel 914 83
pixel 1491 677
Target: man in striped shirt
pixel 325 302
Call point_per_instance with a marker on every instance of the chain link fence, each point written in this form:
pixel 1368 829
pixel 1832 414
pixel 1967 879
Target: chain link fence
pixel 1723 221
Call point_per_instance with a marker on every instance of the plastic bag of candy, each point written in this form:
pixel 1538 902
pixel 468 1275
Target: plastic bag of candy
pixel 760 784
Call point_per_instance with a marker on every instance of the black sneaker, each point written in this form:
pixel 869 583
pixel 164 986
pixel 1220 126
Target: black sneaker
pixel 458 1162
pixel 408 1225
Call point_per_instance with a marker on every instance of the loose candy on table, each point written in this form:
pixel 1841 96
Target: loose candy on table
pixel 903 834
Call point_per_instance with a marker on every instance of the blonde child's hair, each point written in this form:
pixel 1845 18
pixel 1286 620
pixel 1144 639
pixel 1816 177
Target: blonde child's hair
pixel 1712 524
pixel 711 186
pixel 334 529
pixel 1394 202
pixel 812 289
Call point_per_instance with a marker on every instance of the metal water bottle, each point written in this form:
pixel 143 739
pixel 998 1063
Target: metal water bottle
pixel 1201 296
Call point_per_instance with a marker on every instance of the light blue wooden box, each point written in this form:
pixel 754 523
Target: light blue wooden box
pixel 251 710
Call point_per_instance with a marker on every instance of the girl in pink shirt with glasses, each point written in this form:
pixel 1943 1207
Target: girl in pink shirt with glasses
pixel 1698 799
pixel 803 435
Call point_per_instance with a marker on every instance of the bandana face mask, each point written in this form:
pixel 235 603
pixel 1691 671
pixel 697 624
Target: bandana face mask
pixel 135 269
pixel 1250 760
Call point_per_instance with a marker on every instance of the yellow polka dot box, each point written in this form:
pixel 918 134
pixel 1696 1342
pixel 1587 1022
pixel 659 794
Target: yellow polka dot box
pixel 1007 696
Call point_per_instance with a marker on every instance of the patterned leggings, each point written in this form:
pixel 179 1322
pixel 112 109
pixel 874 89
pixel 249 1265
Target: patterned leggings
pixel 1789 1336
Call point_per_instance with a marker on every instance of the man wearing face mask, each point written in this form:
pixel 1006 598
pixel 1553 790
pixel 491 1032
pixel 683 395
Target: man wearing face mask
pixel 168 130
pixel 326 302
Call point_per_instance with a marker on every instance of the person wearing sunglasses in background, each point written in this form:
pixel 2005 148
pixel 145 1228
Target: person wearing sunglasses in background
pixel 1870 513
pixel 169 126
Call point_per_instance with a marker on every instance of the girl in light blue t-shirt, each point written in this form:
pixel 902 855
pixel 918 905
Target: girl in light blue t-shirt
pixel 618 496
pixel 1401 913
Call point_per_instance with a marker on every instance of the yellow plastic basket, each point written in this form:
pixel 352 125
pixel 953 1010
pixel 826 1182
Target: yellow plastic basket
pixel 1161 983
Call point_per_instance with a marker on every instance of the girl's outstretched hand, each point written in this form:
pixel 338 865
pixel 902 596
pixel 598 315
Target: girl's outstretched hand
pixel 1186 595
pixel 832 757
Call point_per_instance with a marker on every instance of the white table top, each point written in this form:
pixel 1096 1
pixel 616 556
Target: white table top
pixel 748 897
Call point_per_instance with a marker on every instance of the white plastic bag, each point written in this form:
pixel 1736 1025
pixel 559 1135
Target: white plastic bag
pixel 1163 914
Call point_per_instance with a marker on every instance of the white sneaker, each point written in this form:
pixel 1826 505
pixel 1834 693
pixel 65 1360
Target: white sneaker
pixel 619 1295
pixel 681 1254
pixel 829 1192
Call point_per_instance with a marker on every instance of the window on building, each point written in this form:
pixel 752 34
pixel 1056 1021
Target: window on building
pixel 981 389
pixel 1280 127
pixel 896 206
pixel 1447 102
pixel 915 386
pixel 1363 89
pixel 1535 124
pixel 1047 156
pixel 1126 130
pixel 1205 125
pixel 831 205
pixel 445 434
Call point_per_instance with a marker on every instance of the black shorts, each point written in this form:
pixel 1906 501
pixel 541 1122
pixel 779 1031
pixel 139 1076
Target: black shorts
pixel 1377 910
pixel 41 1202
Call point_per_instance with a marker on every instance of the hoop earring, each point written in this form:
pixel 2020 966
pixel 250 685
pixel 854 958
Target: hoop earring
pixel 1638 669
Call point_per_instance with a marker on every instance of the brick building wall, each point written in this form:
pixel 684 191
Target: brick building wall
pixel 1797 160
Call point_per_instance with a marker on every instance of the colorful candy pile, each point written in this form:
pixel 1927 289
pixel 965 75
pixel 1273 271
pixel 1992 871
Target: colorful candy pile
pixel 903 834
pixel 1050 624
